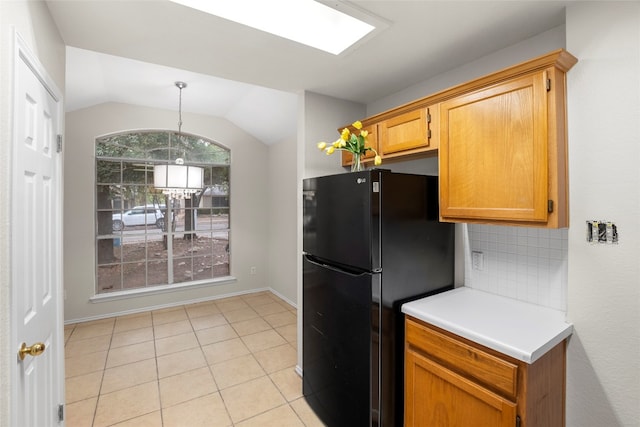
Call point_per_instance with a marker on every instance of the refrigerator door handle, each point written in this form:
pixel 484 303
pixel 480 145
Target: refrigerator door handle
pixel 344 270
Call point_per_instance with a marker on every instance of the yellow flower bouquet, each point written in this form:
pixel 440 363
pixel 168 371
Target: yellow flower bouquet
pixel 355 144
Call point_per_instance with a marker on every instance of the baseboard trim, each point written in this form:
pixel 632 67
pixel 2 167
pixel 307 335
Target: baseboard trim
pixel 176 304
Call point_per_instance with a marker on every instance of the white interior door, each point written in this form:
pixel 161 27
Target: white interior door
pixel 36 246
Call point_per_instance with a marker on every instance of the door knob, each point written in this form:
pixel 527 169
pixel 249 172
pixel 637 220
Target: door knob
pixel 35 350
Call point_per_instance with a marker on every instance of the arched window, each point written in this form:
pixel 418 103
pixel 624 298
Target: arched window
pixel 132 220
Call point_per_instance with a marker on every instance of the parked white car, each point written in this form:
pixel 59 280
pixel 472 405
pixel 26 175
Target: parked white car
pixel 139 215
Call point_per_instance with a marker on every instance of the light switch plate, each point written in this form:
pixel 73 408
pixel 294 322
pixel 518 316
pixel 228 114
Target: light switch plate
pixel 477 260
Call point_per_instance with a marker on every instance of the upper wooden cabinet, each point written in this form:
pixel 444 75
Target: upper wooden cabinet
pixel 500 139
pixel 502 155
pixel 493 157
pixel 401 133
pixel 408 133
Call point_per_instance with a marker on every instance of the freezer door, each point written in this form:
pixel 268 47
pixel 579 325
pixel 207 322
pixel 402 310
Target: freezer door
pixel 341 219
pixel 337 340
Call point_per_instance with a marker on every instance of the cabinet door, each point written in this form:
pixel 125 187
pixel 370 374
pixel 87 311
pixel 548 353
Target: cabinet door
pixel 493 152
pixel 372 141
pixel 435 396
pixel 408 131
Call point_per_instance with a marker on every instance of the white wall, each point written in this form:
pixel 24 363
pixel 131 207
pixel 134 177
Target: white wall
pixel 527 49
pixel 32 20
pixel 322 117
pixel 249 205
pixel 282 224
pixel 603 384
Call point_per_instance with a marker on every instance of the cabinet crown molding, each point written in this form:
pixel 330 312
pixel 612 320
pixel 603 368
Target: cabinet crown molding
pixel 560 58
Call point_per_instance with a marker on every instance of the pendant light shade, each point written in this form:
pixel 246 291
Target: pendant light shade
pixel 178 180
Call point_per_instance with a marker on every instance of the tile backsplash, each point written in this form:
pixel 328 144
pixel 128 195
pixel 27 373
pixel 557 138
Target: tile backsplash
pixel 527 264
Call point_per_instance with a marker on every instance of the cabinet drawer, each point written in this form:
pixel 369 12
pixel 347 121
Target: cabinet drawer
pixel 484 368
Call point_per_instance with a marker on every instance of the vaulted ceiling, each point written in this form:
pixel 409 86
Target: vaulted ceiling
pixel 134 51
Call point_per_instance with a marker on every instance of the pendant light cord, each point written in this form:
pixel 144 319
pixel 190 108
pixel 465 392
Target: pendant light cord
pixel 180 113
pixel 180 85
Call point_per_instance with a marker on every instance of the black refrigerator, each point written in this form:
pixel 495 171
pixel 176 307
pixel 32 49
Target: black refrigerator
pixel 372 241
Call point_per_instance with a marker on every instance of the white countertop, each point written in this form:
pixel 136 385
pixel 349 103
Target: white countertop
pixel 518 329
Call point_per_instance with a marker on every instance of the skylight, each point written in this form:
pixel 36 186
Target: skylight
pixel 303 21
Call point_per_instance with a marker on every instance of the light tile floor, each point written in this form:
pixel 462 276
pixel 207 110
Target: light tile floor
pixel 228 362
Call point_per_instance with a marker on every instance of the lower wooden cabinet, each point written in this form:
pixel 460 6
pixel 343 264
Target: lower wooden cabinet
pixel 453 382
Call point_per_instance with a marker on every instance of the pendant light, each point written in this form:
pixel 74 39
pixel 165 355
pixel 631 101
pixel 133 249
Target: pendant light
pixel 178 180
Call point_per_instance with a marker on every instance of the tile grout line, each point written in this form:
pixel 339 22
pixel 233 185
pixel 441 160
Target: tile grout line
pixel 209 367
pixel 104 370
pixel 155 354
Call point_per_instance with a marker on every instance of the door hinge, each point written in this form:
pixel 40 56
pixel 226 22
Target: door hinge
pixel 428 133
pixel 518 421
pixel 548 85
pixel 59 144
pixel 428 117
pixel 60 413
pixel 549 206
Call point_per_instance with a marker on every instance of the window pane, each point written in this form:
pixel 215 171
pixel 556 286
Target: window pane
pixel 161 154
pixel 210 219
pixel 154 142
pixel 204 218
pixel 108 197
pixel 109 251
pixel 217 176
pixel 156 248
pixel 134 275
pixel 205 151
pixel 108 223
pixel 108 171
pixel 109 278
pixel 112 146
pixel 203 267
pixel 136 172
pixel 134 249
pixel 221 253
pixel 182 270
pixel 158 273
